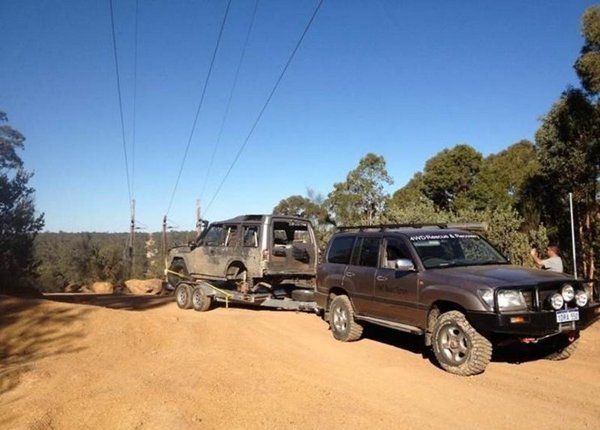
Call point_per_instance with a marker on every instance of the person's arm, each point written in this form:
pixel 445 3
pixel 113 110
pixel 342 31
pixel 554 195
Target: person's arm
pixel 536 259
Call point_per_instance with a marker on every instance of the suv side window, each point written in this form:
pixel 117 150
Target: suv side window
pixel 231 235
pixel 251 236
pixel 341 250
pixel 214 236
pixel 394 250
pixel 369 252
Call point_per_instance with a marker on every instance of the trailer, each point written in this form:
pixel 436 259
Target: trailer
pixel 201 295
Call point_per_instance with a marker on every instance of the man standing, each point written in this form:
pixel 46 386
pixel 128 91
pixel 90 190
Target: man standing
pixel 553 262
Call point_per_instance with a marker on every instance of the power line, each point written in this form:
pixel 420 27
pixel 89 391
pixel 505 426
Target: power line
pixel 212 62
pixel 112 22
pixel 227 108
pixel 237 156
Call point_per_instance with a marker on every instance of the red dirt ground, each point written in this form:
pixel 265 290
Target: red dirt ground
pixel 127 362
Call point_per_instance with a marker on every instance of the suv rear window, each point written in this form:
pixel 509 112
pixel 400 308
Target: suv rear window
pixel 340 250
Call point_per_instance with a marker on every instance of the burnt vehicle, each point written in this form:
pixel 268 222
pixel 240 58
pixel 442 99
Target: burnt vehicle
pixel 250 259
pixel 453 288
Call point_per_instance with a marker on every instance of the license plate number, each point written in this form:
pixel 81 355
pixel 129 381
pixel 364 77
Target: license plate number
pixel 568 315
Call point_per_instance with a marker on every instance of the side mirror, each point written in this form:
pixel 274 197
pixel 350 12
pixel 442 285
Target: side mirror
pixel 405 265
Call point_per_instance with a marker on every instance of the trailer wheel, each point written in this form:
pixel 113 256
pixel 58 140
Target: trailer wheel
pixel 183 296
pixel 200 301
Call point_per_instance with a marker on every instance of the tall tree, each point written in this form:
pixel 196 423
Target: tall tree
pixel 18 222
pixel 361 198
pixel 502 178
pixel 450 175
pixel 588 63
pixel 569 154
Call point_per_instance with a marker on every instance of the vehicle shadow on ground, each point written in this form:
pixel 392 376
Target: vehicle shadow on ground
pixel 31 333
pixel 513 354
pixel 113 301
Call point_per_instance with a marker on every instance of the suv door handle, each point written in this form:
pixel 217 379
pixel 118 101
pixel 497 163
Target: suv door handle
pixel 381 278
pixel 350 274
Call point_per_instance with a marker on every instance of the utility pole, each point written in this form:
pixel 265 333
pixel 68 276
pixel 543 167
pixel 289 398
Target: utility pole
pixel 131 238
pixel 198 217
pixel 164 238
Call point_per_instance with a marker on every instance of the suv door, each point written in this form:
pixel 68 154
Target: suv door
pixel 292 247
pixel 396 292
pixel 218 246
pixel 360 274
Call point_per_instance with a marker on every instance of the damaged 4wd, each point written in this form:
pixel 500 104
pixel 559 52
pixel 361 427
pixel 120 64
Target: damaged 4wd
pixel 250 259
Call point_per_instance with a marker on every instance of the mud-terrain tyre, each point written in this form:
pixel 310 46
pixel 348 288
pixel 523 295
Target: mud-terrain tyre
pixel 458 347
pixel 341 320
pixel 183 296
pixel 177 266
pixel 563 353
pixel 200 301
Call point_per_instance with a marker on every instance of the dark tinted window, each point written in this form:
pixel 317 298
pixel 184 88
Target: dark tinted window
pixel 369 252
pixel 395 249
pixel 340 250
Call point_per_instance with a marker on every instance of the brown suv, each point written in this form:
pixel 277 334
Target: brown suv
pixel 452 287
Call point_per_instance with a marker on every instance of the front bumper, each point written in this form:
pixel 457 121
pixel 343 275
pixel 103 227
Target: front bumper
pixel 532 324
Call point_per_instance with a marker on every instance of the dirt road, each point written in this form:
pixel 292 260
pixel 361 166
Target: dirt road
pixel 124 362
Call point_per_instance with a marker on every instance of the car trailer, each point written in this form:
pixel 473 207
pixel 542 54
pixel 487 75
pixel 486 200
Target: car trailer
pixel 200 295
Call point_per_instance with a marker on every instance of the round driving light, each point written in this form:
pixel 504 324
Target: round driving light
pixel 567 292
pixel 581 298
pixel 557 301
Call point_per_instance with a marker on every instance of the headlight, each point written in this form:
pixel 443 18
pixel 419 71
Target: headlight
pixel 511 300
pixel 567 292
pixel 581 298
pixel 487 296
pixel 557 301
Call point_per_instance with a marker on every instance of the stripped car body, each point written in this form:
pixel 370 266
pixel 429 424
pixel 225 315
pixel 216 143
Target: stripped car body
pixel 250 258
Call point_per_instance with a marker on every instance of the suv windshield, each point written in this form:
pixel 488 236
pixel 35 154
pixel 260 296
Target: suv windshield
pixel 455 249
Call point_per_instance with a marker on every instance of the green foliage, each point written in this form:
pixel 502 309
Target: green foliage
pixel 569 155
pixel 450 175
pixel 588 64
pixel 502 178
pixel 84 258
pixel 361 198
pixel 18 221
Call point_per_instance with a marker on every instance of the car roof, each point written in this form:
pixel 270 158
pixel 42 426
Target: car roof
pixel 257 218
pixel 411 233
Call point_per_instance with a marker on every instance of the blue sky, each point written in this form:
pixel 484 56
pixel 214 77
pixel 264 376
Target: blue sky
pixel 402 79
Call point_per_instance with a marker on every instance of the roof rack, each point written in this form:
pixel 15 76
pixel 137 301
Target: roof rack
pixel 474 226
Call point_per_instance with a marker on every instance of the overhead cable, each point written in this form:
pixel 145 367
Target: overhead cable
pixel 227 108
pixel 187 148
pixel 112 22
pixel 260 114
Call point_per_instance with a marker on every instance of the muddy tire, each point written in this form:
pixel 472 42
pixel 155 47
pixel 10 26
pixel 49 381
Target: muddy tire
pixel 177 266
pixel 200 301
pixel 458 347
pixel 563 353
pixel 183 296
pixel 341 320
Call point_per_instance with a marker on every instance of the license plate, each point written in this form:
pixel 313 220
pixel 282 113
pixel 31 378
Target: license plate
pixel 568 315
